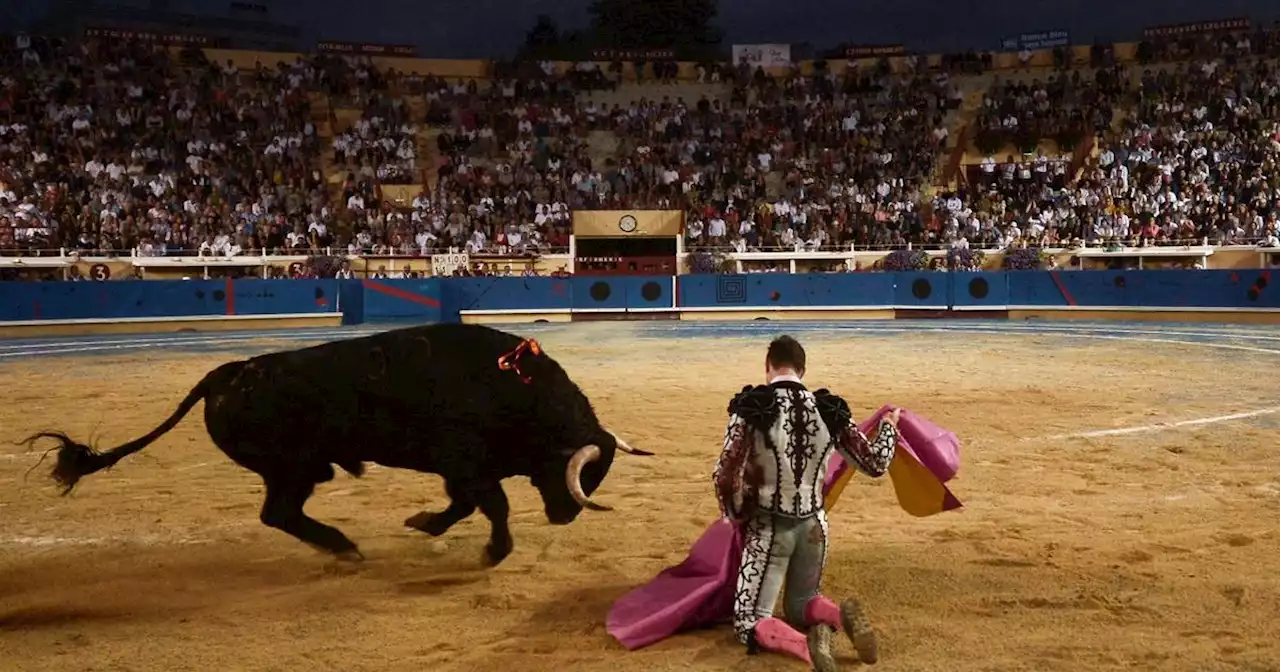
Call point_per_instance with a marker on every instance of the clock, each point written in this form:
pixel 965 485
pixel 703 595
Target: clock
pixel 628 224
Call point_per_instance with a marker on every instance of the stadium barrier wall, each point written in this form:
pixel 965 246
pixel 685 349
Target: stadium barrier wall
pixel 1223 295
pixel 128 306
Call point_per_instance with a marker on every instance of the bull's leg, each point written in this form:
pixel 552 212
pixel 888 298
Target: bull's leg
pixel 493 504
pixel 436 524
pixel 283 511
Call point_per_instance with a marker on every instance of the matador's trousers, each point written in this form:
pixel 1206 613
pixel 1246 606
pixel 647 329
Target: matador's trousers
pixel 778 548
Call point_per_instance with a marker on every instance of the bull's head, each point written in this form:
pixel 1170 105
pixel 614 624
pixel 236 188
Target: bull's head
pixel 580 473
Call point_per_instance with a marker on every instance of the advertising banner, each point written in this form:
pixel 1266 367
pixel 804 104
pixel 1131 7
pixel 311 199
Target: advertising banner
pixel 367 48
pixel 1034 41
pixel 762 55
pixel 1198 28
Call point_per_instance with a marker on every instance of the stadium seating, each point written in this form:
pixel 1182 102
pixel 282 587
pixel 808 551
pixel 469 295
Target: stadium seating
pixel 126 147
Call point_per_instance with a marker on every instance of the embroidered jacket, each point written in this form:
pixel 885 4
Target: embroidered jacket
pixel 777 445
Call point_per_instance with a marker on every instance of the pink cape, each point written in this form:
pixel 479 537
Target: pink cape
pixel 699 592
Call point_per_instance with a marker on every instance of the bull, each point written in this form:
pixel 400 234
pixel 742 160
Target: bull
pixel 472 404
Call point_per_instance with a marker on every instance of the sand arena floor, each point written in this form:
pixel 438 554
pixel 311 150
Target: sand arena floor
pixel 1153 549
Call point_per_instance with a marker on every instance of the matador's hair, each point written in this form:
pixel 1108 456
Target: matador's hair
pixel 786 352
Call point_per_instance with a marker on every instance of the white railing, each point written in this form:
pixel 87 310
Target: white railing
pixel 201 264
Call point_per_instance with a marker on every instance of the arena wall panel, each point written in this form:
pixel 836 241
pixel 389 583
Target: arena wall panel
pixel 1215 289
pixel 980 290
pixel 114 300
pixel 598 294
pixel 780 290
pixel 164 298
pixel 633 293
pixel 655 293
pixel 925 290
pixel 582 293
pixel 524 294
pixel 1038 288
pixel 402 299
pixel 280 297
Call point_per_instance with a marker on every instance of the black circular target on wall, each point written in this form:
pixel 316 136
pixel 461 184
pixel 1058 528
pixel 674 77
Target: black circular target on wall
pixel 219 295
pixel 921 289
pixel 600 291
pixel 978 288
pixel 651 291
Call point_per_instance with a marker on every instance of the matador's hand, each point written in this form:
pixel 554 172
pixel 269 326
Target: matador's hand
pixel 892 417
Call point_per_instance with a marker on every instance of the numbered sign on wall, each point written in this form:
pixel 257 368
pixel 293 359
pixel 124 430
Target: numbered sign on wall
pixel 447 264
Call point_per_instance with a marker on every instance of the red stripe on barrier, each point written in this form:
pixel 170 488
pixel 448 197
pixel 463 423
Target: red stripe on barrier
pixel 231 296
pixel 401 294
pixel 1071 301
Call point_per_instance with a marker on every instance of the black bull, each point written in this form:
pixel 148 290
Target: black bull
pixel 433 399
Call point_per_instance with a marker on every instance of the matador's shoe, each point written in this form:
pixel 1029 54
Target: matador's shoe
pixel 856 625
pixel 819 640
pixel 849 617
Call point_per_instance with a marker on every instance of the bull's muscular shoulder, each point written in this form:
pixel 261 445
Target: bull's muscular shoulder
pixel 833 409
pixel 757 405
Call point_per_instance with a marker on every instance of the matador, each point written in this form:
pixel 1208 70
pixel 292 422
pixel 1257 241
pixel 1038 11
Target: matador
pixel 768 481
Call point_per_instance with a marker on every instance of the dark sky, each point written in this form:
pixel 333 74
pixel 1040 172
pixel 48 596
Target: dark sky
pixel 486 28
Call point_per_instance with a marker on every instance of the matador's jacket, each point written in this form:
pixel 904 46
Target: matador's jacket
pixel 769 479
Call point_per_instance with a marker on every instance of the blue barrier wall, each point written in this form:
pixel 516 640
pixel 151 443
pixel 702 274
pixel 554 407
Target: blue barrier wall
pixel 435 300
pixel 558 294
pixel 400 300
pixel 507 294
pixel 1152 289
pixel 784 290
pixel 164 298
pixel 980 290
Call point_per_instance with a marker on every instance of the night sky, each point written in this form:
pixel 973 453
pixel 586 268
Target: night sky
pixel 488 28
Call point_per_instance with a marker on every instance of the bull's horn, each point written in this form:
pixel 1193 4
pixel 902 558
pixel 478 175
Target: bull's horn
pixel 626 448
pixel 573 476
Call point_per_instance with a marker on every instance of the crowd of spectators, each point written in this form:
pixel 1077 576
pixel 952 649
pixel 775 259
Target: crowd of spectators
pixel 1197 158
pixel 115 146
pixel 848 156
pixel 1186 153
pixel 382 143
pixel 122 146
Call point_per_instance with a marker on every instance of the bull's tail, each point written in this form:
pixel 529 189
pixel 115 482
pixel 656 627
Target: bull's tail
pixel 77 460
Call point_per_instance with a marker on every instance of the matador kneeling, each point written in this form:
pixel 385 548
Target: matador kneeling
pixel 769 481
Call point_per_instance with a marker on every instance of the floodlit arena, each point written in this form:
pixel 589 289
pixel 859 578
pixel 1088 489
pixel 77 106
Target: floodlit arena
pixel 1120 482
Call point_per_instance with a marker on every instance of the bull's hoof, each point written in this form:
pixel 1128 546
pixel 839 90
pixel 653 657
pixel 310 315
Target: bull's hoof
pixel 494 554
pixel 352 555
pixel 344 563
pixel 428 522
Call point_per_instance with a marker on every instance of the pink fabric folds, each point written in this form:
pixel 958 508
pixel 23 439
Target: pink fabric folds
pixel 699 592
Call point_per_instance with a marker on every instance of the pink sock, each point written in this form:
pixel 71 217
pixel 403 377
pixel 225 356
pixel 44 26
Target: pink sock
pixel 822 610
pixel 774 635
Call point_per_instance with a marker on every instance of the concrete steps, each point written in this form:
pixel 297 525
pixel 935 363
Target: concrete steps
pixel 602 146
pixel 429 159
